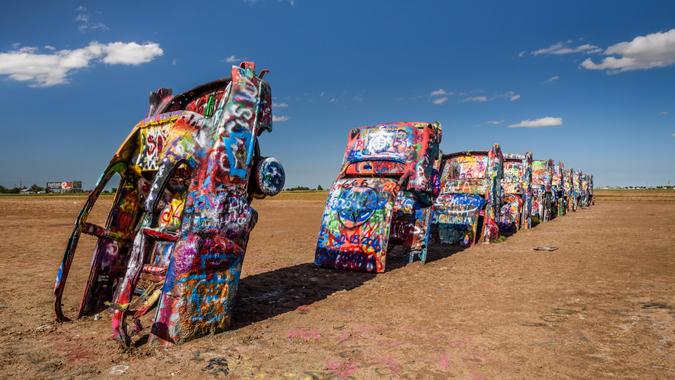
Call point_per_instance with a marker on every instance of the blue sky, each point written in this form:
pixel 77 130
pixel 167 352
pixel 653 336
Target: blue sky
pixel 588 83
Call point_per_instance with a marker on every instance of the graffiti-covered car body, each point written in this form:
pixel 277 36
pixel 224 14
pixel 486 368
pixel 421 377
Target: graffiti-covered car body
pixel 467 208
pixel 586 186
pixel 517 193
pixel 542 192
pixel 576 186
pixel 558 190
pixel 381 197
pixel 570 192
pixel 182 215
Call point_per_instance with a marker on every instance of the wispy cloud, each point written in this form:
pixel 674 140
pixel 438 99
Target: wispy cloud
pixel 85 23
pixel 643 52
pixel 279 105
pixel 512 96
pixel 664 113
pixel 279 118
pixel 495 122
pixel 543 122
pixel 562 48
pixel 552 79
pixel 49 69
pixel 439 96
pixel 234 59
pixel 476 99
pixel 289 2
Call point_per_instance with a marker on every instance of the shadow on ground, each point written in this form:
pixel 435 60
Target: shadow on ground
pixel 268 294
pixel 265 295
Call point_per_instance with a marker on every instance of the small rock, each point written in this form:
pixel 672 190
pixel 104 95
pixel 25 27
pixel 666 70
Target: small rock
pixel 119 369
pixel 216 366
pixel 545 248
pixel 45 328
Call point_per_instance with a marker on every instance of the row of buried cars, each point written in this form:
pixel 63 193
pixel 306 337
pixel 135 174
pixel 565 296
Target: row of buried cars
pixel 395 188
pixel 170 252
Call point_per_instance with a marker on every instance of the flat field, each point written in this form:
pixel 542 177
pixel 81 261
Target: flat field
pixel 601 306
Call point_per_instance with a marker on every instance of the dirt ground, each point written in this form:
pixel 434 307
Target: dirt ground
pixel 601 306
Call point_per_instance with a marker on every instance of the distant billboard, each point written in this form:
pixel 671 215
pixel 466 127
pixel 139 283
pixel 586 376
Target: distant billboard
pixel 64 186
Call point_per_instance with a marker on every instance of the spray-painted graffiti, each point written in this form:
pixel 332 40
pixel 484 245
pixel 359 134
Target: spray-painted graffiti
pixel 382 196
pixel 585 190
pixel 558 190
pixel 153 139
pixel 517 188
pixel 470 189
pixel 186 190
pixel 568 187
pixel 542 191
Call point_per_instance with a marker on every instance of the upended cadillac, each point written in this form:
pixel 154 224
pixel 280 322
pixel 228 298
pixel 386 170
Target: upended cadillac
pixel 181 217
pixel 382 197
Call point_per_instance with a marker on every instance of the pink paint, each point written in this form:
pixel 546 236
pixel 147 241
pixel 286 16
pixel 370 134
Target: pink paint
pixel 341 369
pixel 343 337
pixel 393 366
pixel 444 362
pixel 305 335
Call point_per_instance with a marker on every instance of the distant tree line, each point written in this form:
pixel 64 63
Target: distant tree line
pixel 304 188
pixel 22 189
pixel 34 189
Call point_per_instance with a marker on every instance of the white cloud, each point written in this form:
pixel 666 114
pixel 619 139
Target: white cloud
pixel 512 96
pixel 664 113
pixel 521 54
pixel 131 53
pixel 280 118
pixel 495 122
pixel 543 122
pixel 85 23
pixel 234 59
pixel 50 47
pixel 53 68
pixel 562 48
pixel 553 79
pixel 476 99
pixel 279 105
pixel 439 96
pixel 642 53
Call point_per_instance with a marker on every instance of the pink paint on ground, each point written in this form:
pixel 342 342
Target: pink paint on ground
pixel 305 335
pixel 343 337
pixel 341 369
pixel 444 362
pixel 393 366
